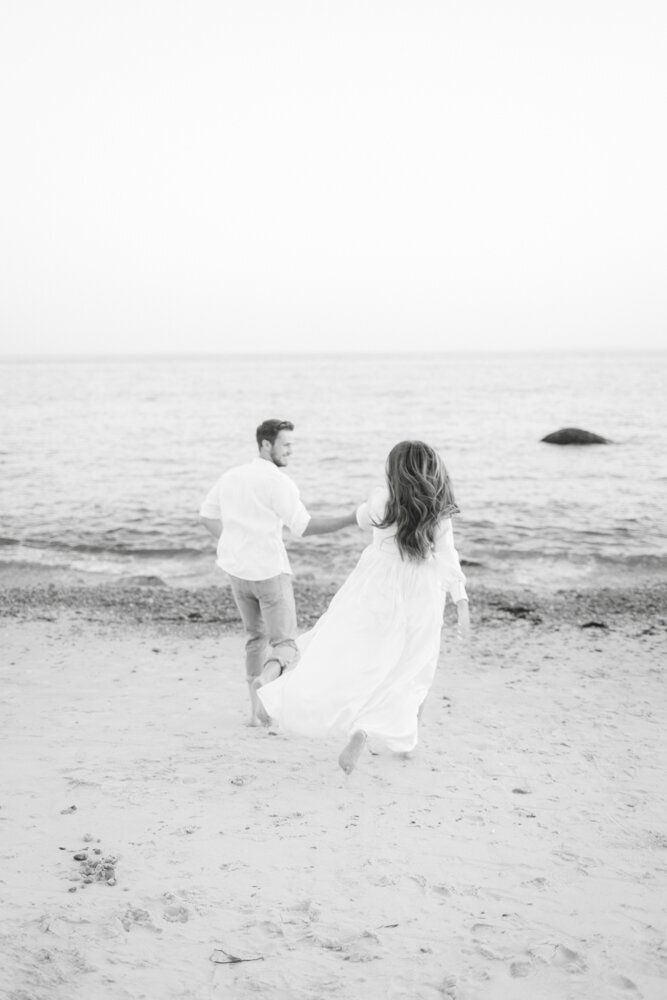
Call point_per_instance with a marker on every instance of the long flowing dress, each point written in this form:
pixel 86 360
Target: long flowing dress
pixel 369 661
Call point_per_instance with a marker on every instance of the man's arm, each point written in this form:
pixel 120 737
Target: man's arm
pixel 325 525
pixel 212 524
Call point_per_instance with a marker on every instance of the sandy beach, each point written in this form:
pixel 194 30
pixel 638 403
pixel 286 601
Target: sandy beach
pixel 154 847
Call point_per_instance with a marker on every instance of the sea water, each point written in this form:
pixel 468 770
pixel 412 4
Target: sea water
pixel 104 462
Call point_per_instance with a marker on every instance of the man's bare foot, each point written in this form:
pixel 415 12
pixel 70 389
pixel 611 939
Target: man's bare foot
pixel 271 672
pixel 260 712
pixel 350 755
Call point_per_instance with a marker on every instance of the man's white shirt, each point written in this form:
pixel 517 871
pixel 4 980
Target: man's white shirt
pixel 254 502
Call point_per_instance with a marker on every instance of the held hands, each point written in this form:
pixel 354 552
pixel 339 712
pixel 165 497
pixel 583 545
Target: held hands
pixel 463 625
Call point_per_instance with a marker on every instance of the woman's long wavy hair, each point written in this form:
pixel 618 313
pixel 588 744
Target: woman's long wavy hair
pixel 420 496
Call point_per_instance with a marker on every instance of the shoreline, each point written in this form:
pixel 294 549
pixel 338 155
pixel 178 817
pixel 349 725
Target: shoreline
pixel 213 605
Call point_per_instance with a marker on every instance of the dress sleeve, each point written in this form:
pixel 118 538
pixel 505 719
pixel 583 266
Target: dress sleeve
pixel 211 505
pixel 363 517
pixel 372 509
pixel 289 507
pixel 450 573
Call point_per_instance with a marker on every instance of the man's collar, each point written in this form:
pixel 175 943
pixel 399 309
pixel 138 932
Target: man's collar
pixel 265 461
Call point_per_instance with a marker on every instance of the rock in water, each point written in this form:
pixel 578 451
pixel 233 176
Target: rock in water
pixel 574 435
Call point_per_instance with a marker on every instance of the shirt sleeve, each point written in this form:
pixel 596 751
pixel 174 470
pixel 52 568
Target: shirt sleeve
pixel 288 506
pixel 211 505
pixel 450 573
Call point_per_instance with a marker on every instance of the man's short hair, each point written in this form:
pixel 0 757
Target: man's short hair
pixel 269 430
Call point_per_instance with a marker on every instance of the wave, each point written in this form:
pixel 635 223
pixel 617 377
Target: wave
pixel 579 548
pixel 650 560
pixel 105 549
pixel 645 560
pixel 192 568
pixel 314 551
pixel 122 549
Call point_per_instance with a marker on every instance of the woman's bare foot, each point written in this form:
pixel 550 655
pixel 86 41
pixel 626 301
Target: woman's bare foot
pixel 350 755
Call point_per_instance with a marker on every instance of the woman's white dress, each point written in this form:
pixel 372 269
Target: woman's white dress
pixel 370 659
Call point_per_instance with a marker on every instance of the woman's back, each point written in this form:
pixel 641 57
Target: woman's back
pixel 371 514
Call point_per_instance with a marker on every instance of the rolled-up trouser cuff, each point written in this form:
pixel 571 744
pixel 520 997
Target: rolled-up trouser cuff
pixel 285 653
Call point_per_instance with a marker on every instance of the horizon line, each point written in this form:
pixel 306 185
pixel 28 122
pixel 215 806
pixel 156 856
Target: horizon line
pixel 253 355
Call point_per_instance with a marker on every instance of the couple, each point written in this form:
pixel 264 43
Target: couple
pixel 366 667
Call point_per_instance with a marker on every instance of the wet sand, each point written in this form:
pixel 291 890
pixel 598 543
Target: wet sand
pixel 154 847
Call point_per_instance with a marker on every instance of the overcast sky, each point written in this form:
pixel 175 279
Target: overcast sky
pixel 268 175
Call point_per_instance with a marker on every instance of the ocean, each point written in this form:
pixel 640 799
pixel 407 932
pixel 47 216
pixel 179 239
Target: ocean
pixel 104 462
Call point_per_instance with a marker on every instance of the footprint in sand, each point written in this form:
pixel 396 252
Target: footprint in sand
pixel 255 939
pixel 382 881
pixel 307 910
pixel 365 948
pixel 448 988
pixel 623 983
pixel 442 890
pixel 536 883
pixel 486 935
pixel 565 958
pixel 176 913
pixel 135 917
pixel 483 931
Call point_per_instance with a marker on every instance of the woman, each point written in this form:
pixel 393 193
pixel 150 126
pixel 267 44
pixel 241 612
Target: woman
pixel 367 665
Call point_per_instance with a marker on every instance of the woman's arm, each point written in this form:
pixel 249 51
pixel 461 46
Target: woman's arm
pixel 450 573
pixel 452 579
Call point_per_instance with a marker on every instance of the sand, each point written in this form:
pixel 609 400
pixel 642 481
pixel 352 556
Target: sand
pixel 520 853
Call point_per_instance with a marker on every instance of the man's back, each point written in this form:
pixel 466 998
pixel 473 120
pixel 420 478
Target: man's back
pixel 254 501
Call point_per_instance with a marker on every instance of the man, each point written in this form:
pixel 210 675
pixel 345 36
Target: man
pixel 246 511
